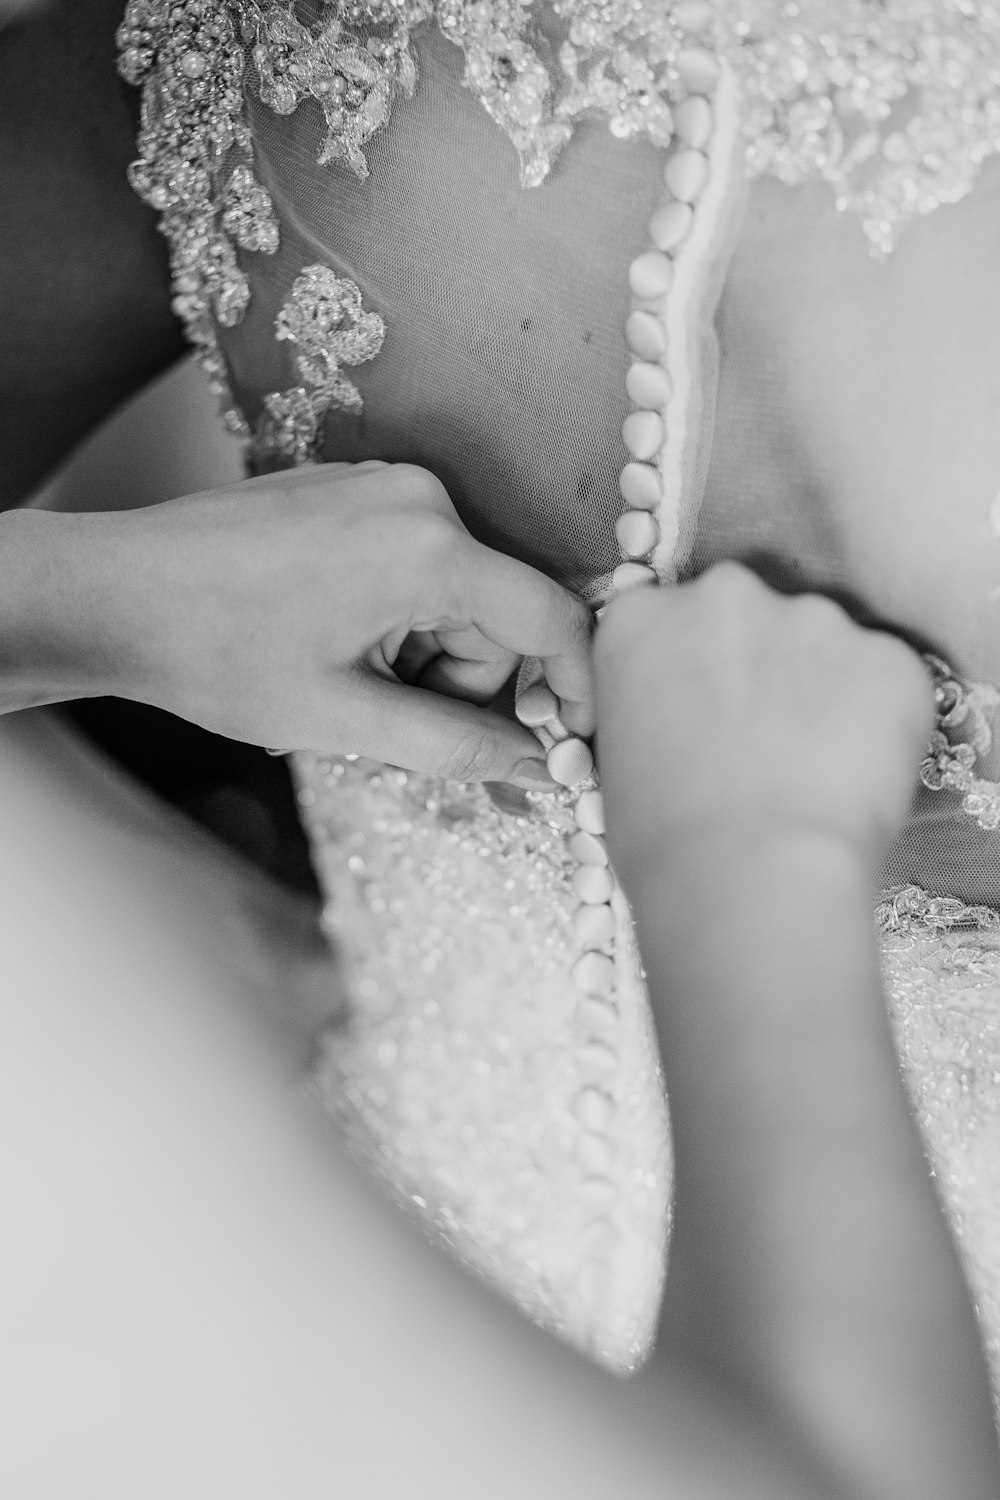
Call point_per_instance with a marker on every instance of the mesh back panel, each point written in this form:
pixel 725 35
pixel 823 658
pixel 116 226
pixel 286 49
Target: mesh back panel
pixel 855 447
pixel 504 361
pixel 856 450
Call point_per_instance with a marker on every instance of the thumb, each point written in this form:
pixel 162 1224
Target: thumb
pixel 422 731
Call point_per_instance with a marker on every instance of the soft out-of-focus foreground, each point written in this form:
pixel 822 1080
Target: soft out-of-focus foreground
pixel 167 442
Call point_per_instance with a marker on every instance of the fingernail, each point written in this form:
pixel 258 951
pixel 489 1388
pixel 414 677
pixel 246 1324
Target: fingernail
pixel 533 775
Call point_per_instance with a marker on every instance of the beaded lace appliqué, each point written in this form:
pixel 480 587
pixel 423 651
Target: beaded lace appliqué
pixel 526 1121
pixel 895 103
pixel 949 764
pixel 196 167
pixel 324 320
pixel 941 970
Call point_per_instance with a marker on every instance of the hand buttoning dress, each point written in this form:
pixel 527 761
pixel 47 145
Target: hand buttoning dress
pixel 646 285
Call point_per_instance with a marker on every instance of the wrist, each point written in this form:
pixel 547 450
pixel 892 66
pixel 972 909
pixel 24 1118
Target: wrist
pixel 58 638
pixel 692 877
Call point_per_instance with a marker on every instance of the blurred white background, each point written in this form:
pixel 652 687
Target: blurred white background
pixel 168 442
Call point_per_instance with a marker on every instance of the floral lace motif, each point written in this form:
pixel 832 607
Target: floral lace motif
pixel 324 319
pixel 905 907
pixel 895 103
pixel 615 57
pixel 526 1122
pixel 941 970
pixel 949 763
pixel 195 166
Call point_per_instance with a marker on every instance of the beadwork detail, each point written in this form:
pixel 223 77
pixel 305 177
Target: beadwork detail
pixel 522 1113
pixel 897 115
pixel 614 58
pixel 949 764
pixel 195 165
pixel 352 60
pixel 324 320
pixel 535 1140
pixel 941 972
pixel 906 907
pixel 895 103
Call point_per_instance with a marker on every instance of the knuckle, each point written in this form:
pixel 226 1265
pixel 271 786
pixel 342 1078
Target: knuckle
pixel 733 595
pixel 822 616
pixel 474 757
pixel 420 487
pixel 900 664
pixel 731 578
pixel 579 620
pixel 430 538
pixel 630 619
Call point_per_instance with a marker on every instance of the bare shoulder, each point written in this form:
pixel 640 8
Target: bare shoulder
pixel 84 295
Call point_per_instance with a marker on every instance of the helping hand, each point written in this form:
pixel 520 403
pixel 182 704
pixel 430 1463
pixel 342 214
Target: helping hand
pixel 738 711
pixel 319 609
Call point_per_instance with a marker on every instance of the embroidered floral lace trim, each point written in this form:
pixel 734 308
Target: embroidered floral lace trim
pixel 895 103
pixel 907 906
pixel 195 166
pixel 949 763
pixel 325 321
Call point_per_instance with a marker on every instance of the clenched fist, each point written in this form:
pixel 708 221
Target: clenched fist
pixel 727 709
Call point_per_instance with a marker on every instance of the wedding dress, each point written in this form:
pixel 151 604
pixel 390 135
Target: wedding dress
pixel 758 317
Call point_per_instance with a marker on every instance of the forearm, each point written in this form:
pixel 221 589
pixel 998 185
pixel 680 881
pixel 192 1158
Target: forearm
pixel 811 1261
pixel 63 627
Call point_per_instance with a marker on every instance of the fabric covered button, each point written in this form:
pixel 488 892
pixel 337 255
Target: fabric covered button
pixel 593 926
pixel 597 1059
pixel 645 335
pixel 698 69
pixel 686 174
pixel 594 1109
pixel 648 385
pixel 537 705
pixel 693 16
pixel 589 812
pixel 594 1151
pixel 668 227
pixel 588 848
pixel 631 575
pixel 596 1192
pixel 598 1014
pixel 593 884
pixel 643 433
pixel 637 533
pixel 693 121
pixel 640 486
pixel 650 274
pixel 570 761
pixel 594 974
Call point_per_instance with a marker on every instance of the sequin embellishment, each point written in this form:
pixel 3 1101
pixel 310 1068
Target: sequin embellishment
pixel 196 168
pixel 613 58
pixel 941 970
pixel 894 103
pixel 528 1123
pixel 949 764
pixel 325 321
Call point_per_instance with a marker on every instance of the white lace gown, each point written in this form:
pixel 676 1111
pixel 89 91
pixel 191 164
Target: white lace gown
pixel 758 316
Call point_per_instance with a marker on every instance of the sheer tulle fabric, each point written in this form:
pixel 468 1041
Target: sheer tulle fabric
pixel 504 359
pixel 854 449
